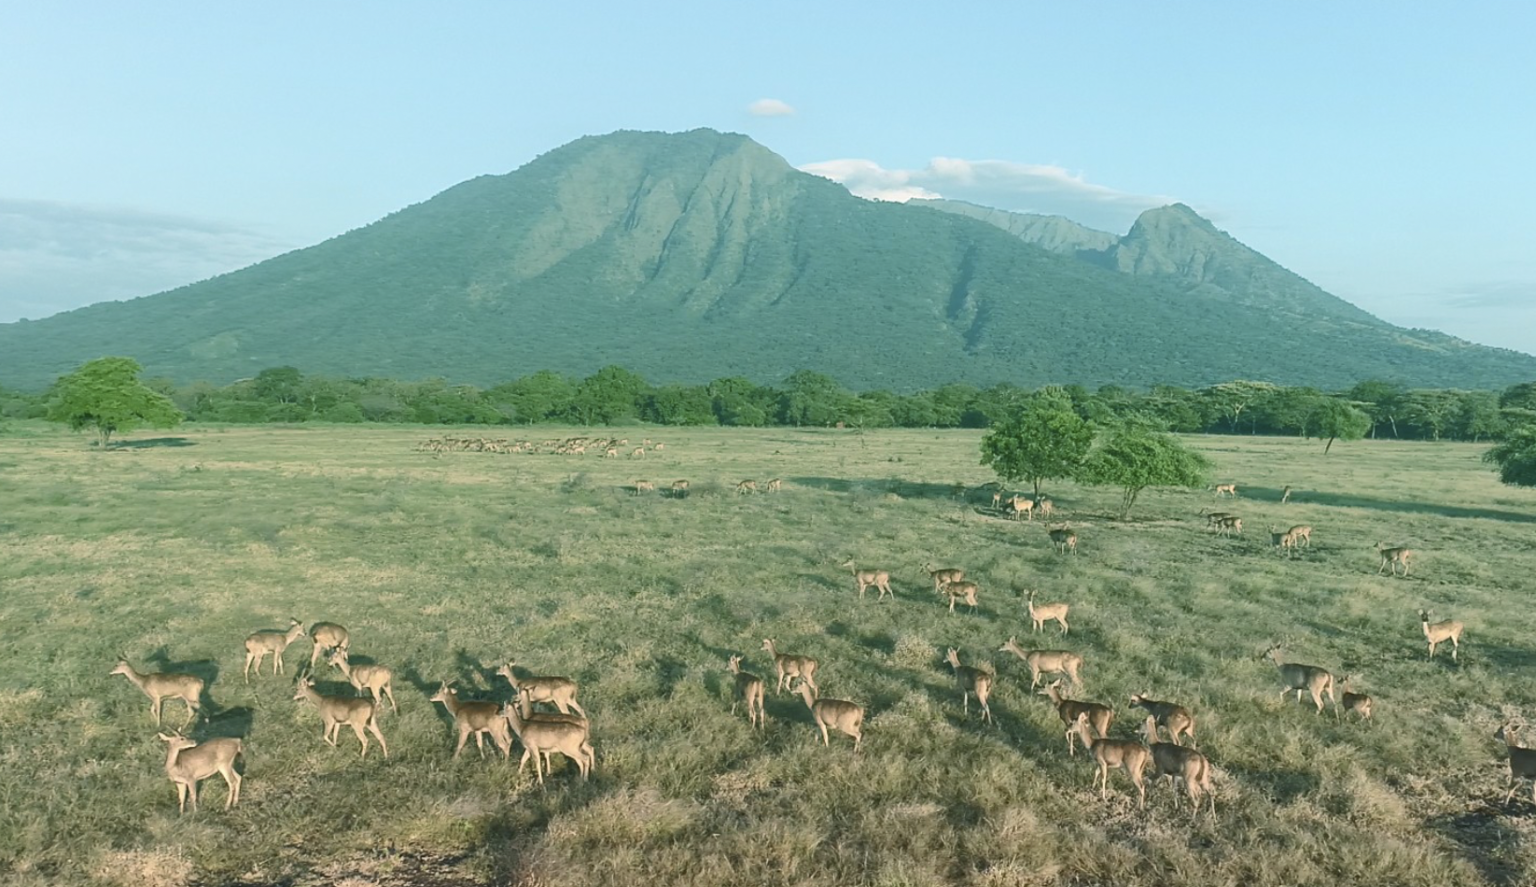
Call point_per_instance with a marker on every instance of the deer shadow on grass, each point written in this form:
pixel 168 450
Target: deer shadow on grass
pixel 233 723
pixel 1482 838
pixel 151 443
pixel 906 489
pixel 1424 506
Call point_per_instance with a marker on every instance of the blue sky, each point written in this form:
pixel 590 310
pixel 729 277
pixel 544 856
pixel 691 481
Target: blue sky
pixel 1382 150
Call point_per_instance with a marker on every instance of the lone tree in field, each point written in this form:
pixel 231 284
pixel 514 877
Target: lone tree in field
pixel 106 394
pixel 1516 457
pixel 1135 457
pixel 1044 439
pixel 1336 419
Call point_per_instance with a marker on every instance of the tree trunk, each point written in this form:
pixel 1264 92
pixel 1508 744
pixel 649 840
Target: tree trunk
pixel 1329 447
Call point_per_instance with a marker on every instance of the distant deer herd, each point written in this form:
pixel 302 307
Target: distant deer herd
pixel 567 731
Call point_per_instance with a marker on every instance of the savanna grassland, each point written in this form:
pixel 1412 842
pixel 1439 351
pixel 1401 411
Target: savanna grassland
pixel 172 550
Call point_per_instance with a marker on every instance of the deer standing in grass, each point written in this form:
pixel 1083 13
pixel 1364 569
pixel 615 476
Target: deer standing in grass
pixel 271 641
pixel 159 687
pixel 745 487
pixel 680 489
pixel 644 486
pixel 1359 703
pixel 557 691
pixel 187 763
pixel 1440 632
pixel 477 718
pixel 1021 505
pixel 1046 508
pixel 328 636
pixel 1285 495
pixel 1175 717
pixel 1046 662
pixel 838 714
pixel 1394 558
pixel 790 666
pixel 942 576
pixel 775 485
pixel 1044 613
pixel 1522 761
pixel 1099 716
pixel 880 579
pixel 1302 533
pixel 1226 490
pixel 1113 753
pixel 1303 679
pixel 359 714
pixel 749 689
pixel 1063 540
pixel 543 737
pixel 972 680
pixel 375 680
pixel 1179 763
pixel 961 591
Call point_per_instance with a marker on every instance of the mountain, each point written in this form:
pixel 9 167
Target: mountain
pixel 1056 233
pixel 697 255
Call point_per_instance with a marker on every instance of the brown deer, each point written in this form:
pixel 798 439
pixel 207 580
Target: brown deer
pixel 1522 761
pixel 1393 557
pixel 1063 540
pixel 972 680
pixel 478 718
pixel 749 689
pixel 1046 662
pixel 880 579
pixel 270 641
pixel 187 763
pixel 1098 716
pixel 1439 632
pixel 1175 717
pixel 1179 763
pixel 1044 613
pixel 1303 679
pixel 359 714
pixel 159 687
pixel 557 691
pixel 540 738
pixel 838 714
pixel 327 636
pixel 375 680
pixel 1113 753
pixel 790 666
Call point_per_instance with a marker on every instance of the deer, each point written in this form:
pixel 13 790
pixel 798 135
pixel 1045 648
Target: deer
pixel 328 636
pixel 1439 632
pixel 1046 662
pixel 959 591
pixel 1213 518
pixel 1063 540
pixel 359 714
pixel 637 453
pixel 1283 541
pixel 1226 490
pixel 1021 505
pixel 557 691
pixel 1098 716
pixel 838 714
pixel 1046 507
pixel 477 718
pixel 1302 533
pixel 188 762
pixel 159 687
pixel 745 487
pixel 749 689
pixel 644 486
pixel 997 500
pixel 542 737
pixel 1285 495
pixel 1175 717
pixel 972 680
pixel 775 485
pixel 273 641
pixel 1229 525
pixel 1179 763
pixel 373 679
pixel 611 453
pixel 1112 753
pixel 1359 703
pixel 1302 679
pixel 680 489
pixel 790 667
pixel 1047 612
pixel 880 579
pixel 1393 557
pixel 942 576
pixel 1522 761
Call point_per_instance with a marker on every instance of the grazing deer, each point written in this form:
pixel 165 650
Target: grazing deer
pixel 1213 518
pixel 327 636
pixel 359 714
pixel 1522 761
pixel 1286 542
pixel 1113 753
pixel 1175 717
pixel 839 714
pixel 1302 533
pixel 1226 490
pixel 1285 495
pixel 542 737
pixel 680 489
pixel 1393 557
pixel 1047 612
pixel 1229 525
pixel 159 687
pixel 746 486
pixel 187 763
pixel 478 718
pixel 997 500
pixel 1303 679
pixel 972 680
pixel 611 453
pixel 273 641
pixel 942 576
pixel 637 453
pixel 1021 505
pixel 557 691
pixel 1046 507
pixel 1046 662
pixel 775 485
pixel 961 591
pixel 1359 703
pixel 1179 763
pixel 1439 632
pixel 644 486
pixel 790 667
pixel 749 689
pixel 1063 540
pixel 1099 716
pixel 375 680
pixel 880 579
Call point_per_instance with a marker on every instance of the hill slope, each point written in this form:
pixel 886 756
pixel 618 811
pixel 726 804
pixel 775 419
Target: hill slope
pixel 697 255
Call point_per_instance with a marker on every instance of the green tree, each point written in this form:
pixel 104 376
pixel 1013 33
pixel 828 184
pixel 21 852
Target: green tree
pixel 1230 399
pixel 1134 457
pixel 1043 439
pixel 608 397
pixel 106 394
pixel 536 398
pixel 1516 457
pixel 1336 419
pixel 1381 400
pixel 812 399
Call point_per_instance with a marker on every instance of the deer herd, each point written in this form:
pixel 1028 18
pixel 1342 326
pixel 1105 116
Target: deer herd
pixel 567 730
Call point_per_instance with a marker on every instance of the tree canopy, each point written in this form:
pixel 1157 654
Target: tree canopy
pixel 1516 457
pixel 1134 457
pixel 1335 419
pixel 106 394
pixel 1043 439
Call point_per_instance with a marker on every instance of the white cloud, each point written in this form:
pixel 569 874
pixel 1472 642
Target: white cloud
pixel 1021 187
pixel 58 256
pixel 770 108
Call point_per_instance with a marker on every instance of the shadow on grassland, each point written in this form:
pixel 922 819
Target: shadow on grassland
pixel 1348 500
pixel 1483 839
pixel 892 485
pixel 150 443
